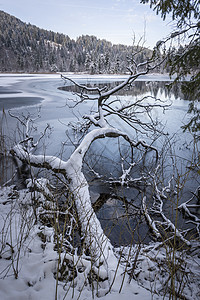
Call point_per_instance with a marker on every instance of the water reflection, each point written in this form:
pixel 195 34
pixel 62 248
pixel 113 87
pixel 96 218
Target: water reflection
pixel 135 89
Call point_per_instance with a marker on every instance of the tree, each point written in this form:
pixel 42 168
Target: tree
pixel 186 15
pixel 94 240
pixel 110 118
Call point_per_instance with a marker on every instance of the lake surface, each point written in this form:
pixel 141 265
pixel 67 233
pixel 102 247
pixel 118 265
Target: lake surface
pixel 22 94
pixel 48 96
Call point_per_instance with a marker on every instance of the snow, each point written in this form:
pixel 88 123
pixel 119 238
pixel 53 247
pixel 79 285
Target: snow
pixel 149 220
pixel 37 261
pixel 10 79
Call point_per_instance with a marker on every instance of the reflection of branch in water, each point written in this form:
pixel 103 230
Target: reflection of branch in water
pixel 186 208
pixel 137 88
pixel 104 197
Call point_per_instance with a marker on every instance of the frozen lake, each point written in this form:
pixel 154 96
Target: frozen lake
pixel 41 93
pixel 28 93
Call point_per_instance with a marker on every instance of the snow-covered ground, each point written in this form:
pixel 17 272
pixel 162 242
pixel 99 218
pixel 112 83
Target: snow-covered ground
pixel 28 262
pixel 23 254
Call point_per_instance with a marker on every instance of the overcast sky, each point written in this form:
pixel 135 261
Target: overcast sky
pixel 114 20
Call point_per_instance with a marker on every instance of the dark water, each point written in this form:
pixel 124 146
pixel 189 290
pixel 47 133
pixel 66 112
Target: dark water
pixel 10 102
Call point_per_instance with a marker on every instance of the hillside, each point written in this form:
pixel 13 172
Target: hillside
pixel 27 48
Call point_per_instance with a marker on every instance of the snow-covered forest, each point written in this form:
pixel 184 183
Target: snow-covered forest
pixel 27 48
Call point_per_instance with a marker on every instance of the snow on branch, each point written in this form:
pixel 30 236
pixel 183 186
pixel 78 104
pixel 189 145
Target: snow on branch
pixel 185 207
pixel 150 221
pixel 157 208
pixel 106 132
pixel 130 113
pixel 40 161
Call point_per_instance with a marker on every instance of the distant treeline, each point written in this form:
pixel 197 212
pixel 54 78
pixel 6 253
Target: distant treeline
pixel 27 48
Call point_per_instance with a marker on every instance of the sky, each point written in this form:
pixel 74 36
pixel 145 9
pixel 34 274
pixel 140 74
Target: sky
pixel 117 21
